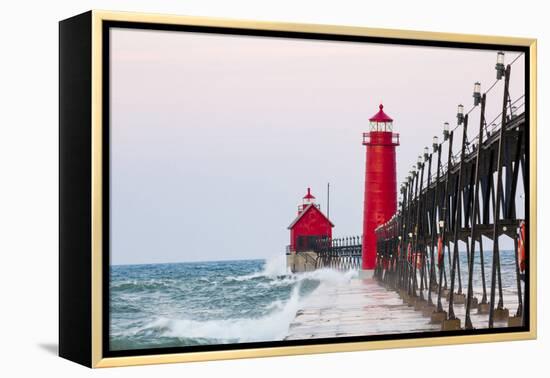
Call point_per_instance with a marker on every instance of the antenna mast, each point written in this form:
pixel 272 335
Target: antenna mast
pixel 328 200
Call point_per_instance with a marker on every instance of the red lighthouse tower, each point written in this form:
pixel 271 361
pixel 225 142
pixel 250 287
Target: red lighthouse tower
pixel 380 201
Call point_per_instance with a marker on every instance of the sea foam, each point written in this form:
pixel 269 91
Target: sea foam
pixel 272 326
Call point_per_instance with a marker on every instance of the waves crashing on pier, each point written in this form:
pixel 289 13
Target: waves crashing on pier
pixel 183 304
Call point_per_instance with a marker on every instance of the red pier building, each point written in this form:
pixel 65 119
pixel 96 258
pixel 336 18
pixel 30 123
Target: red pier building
pixel 309 225
pixel 380 201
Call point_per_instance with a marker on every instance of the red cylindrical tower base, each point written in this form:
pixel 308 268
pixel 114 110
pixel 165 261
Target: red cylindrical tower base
pixel 380 202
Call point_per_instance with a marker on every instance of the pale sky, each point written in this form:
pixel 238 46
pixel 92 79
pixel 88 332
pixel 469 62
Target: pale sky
pixel 215 138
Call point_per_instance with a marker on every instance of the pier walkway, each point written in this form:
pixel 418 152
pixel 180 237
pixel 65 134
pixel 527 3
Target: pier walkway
pixel 363 307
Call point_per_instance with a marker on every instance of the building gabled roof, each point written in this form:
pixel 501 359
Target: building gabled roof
pixel 308 208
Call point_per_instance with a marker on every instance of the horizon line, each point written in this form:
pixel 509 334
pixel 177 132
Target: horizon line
pixel 189 262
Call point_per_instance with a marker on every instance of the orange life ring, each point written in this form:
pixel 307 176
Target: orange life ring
pixel 439 249
pixel 418 260
pixel 521 247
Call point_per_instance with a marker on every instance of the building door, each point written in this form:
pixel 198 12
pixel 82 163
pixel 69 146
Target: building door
pixel 307 242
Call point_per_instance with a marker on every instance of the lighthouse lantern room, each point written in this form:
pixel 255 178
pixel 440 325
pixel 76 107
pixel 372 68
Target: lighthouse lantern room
pixel 309 225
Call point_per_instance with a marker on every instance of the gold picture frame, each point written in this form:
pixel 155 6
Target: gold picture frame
pixel 82 263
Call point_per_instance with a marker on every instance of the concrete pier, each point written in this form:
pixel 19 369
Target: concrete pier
pixel 301 262
pixel 363 307
pixel 357 308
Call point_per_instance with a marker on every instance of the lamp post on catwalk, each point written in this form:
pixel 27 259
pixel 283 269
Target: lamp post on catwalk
pixel 380 200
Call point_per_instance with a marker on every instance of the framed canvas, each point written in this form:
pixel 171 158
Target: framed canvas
pixel 234 189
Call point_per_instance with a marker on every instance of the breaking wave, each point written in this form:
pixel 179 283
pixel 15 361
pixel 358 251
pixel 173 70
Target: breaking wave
pixel 265 302
pixel 273 326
